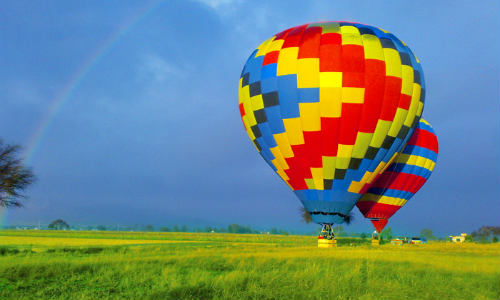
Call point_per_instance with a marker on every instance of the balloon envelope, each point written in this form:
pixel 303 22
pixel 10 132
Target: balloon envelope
pixel 406 175
pixel 328 105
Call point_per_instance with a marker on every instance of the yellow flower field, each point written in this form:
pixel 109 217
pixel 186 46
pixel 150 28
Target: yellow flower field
pixel 132 265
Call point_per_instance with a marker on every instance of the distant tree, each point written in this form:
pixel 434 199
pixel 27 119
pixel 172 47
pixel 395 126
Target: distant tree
pixel 164 229
pixel 483 239
pixel 427 234
pixel 14 176
pixel 176 229
pixel 101 228
pixel 235 228
pixel 339 231
pixel 362 235
pixel 305 215
pixel 495 239
pixel 274 231
pixel 208 229
pixel 184 228
pixel 486 233
pixel 58 224
pixel 149 227
pixel 220 229
pixel 469 238
pixel 386 234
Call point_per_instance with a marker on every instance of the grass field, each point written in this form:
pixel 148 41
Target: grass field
pixel 134 265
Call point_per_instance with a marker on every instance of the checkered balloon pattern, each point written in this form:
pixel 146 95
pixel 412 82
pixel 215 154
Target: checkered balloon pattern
pixel 406 175
pixel 328 106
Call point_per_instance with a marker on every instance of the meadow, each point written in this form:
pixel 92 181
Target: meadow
pixel 148 265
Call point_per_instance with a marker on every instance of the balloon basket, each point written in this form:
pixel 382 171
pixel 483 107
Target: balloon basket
pixel 326 238
pixel 375 242
pixel 323 243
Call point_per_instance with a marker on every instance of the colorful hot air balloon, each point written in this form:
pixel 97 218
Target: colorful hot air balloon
pixel 404 177
pixel 328 105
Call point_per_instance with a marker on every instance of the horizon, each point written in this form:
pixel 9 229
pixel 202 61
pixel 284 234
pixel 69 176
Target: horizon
pixel 341 231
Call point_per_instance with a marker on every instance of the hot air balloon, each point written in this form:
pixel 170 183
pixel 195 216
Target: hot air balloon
pixel 403 178
pixel 328 105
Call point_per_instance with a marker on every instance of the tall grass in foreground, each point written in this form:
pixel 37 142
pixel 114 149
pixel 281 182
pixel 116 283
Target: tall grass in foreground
pixel 229 266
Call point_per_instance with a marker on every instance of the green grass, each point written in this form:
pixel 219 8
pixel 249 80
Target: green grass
pixel 96 265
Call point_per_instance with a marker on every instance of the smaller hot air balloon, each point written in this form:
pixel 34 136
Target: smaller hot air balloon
pixel 403 178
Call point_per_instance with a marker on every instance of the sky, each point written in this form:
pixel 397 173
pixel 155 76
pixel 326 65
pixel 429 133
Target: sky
pixel 127 110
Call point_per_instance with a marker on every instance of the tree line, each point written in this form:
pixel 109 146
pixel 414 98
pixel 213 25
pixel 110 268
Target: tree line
pixel 486 234
pixel 60 224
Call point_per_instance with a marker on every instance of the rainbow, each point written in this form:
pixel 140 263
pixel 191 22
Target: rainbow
pixel 66 93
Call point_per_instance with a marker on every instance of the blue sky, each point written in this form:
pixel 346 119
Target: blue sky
pixel 149 131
